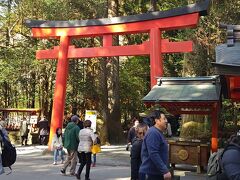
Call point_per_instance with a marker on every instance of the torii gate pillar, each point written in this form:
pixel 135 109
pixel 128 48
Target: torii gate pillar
pixel 60 89
pixel 155 55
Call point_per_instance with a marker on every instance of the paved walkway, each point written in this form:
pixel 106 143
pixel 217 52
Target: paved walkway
pixel 112 164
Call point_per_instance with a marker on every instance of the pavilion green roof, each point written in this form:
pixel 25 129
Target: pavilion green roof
pixel 185 89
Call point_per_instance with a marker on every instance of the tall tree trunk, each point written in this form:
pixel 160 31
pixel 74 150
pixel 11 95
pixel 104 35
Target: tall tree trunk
pixel 74 104
pixel 45 93
pixel 9 8
pixel 104 110
pixel 33 90
pixel 115 131
pixel 114 123
pixel 5 94
pixel 235 113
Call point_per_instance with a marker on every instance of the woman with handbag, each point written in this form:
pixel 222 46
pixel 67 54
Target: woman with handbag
pixel 86 139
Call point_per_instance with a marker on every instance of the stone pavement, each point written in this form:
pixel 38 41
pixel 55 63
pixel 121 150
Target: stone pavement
pixel 113 163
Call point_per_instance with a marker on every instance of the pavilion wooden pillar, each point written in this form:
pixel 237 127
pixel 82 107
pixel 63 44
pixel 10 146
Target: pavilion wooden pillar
pixel 214 114
pixel 156 63
pixel 60 87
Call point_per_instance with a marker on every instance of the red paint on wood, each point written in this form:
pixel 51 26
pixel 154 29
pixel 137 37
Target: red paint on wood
pixel 214 144
pixel 234 87
pixel 107 41
pixel 177 47
pixel 156 63
pixel 109 51
pixel 60 87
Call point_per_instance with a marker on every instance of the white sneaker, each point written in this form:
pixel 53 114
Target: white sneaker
pixel 54 163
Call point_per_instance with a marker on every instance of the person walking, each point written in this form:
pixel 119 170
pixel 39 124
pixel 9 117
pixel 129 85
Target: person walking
pixel 154 153
pixel 132 133
pixel 135 155
pixel 86 138
pixel 70 142
pixel 231 159
pixel 24 131
pixel 96 149
pixel 80 124
pixel 43 131
pixel 5 134
pixel 57 146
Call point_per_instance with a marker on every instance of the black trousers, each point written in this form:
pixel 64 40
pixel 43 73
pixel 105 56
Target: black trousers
pixel 85 159
pixel 135 164
pixel 150 177
pixel 43 139
pixel 155 177
pixel 24 140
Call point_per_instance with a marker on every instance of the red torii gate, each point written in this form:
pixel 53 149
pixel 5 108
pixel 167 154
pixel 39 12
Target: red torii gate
pixel 153 23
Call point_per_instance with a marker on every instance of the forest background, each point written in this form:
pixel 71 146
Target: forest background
pixel 112 86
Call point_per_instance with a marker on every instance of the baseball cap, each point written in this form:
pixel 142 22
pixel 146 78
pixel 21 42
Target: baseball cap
pixel 74 118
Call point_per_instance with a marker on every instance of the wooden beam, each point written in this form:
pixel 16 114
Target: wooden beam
pixel 189 104
pixel 109 51
pixel 177 47
pixel 19 110
pixel 189 112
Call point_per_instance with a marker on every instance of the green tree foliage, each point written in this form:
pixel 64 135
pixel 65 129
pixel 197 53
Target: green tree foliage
pixel 208 35
pixel 134 78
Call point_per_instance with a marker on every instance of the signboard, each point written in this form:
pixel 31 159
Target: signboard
pixel 92 116
pixel 33 119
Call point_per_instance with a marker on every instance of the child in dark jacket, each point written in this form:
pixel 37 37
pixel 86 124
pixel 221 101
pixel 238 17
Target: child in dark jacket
pixel 141 129
pixel 95 151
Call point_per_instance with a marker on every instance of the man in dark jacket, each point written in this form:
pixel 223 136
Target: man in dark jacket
pixel 70 142
pixel 231 158
pixel 154 152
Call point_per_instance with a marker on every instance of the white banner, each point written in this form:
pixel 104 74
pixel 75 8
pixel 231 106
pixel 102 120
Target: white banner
pixel 92 116
pixel 33 119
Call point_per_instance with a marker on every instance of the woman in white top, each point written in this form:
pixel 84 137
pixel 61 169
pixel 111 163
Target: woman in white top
pixel 57 146
pixel 86 139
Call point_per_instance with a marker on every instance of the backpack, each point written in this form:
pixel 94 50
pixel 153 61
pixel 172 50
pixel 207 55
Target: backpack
pixel 9 154
pixel 214 168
